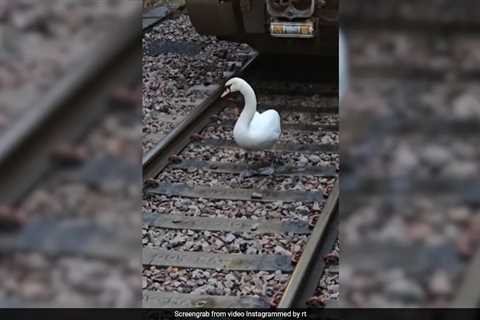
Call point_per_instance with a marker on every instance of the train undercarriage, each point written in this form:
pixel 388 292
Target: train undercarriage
pixel 307 27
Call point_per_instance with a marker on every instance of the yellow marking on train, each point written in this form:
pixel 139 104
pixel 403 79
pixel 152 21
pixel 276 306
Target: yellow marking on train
pixel 292 29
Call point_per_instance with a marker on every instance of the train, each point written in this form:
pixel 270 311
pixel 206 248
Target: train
pixel 297 27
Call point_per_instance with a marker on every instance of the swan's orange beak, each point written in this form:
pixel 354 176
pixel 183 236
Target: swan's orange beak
pixel 226 92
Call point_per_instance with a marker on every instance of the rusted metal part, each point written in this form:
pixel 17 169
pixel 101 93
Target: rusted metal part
pixel 284 147
pixel 224 224
pixel 157 158
pixel 153 299
pixel 205 260
pixel 26 148
pixel 229 123
pixel 223 167
pixel 309 269
pixel 199 191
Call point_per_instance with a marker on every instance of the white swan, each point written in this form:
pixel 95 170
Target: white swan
pixel 253 130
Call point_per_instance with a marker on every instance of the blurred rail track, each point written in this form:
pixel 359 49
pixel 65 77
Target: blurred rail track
pixel 65 112
pixel 31 151
pixel 416 51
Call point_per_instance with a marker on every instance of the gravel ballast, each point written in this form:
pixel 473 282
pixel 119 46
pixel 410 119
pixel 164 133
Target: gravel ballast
pixel 183 70
pixel 286 211
pixel 296 159
pixel 291 136
pixel 224 242
pixel 212 282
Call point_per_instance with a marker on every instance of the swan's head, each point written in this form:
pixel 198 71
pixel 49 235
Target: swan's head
pixel 233 85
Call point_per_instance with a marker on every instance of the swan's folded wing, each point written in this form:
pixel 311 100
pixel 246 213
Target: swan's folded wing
pixel 266 125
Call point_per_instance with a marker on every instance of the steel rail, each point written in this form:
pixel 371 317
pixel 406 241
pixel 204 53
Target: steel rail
pixel 309 269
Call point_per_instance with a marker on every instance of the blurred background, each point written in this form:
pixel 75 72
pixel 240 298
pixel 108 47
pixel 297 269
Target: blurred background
pixel 70 153
pixel 410 193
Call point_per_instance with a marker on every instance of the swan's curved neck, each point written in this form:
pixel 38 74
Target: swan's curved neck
pixel 250 106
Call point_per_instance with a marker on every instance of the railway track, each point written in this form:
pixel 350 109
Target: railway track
pixel 39 157
pixel 410 84
pixel 413 15
pixel 202 221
